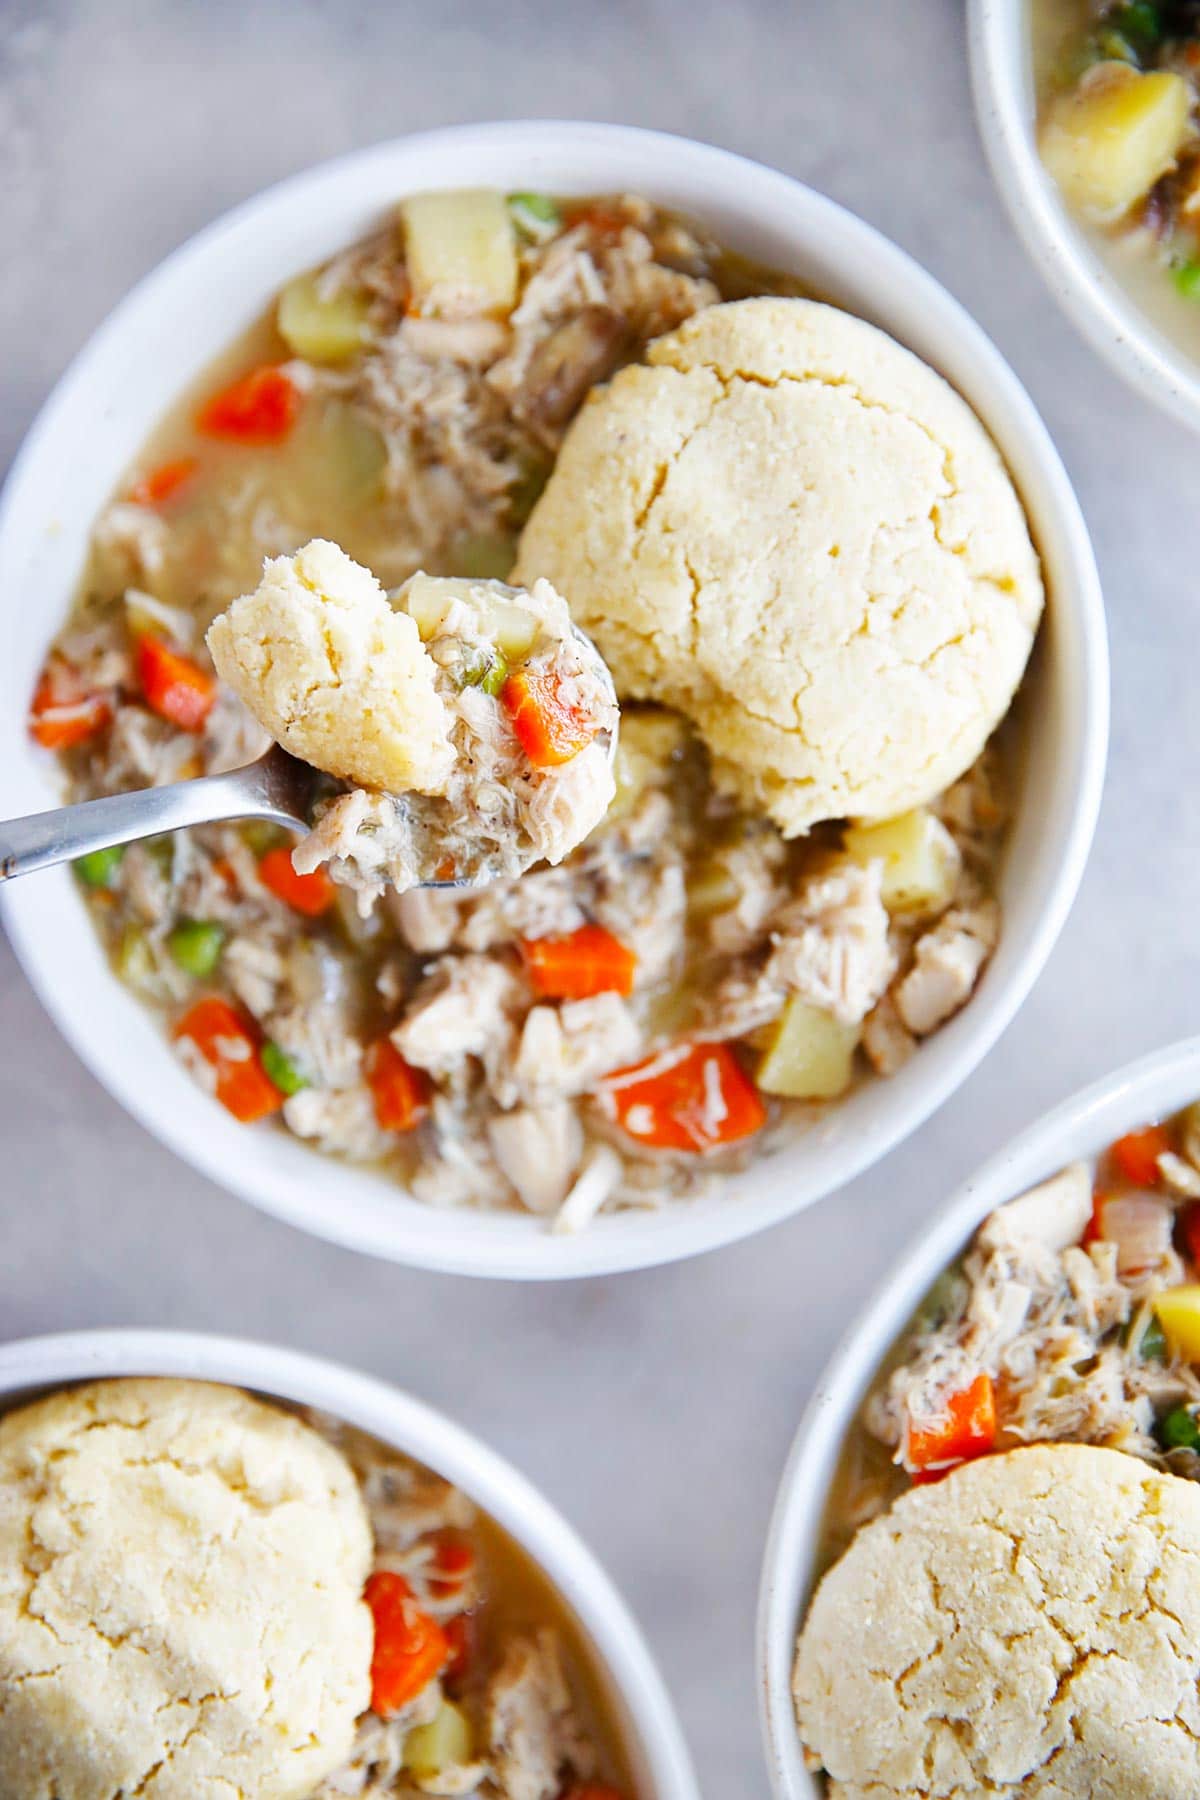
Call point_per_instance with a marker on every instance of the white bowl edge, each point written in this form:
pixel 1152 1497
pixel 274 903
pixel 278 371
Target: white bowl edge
pixel 753 208
pixel 1152 1087
pixel 658 1752
pixel 1089 293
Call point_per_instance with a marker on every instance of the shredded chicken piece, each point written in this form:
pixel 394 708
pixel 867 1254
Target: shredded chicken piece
pixel 533 1731
pixel 464 1008
pixel 831 943
pixel 538 1149
pixel 563 1050
pixel 947 962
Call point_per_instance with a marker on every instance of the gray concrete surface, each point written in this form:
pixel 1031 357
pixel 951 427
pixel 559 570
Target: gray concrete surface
pixel 655 1410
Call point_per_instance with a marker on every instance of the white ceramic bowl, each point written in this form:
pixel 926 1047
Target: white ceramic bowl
pixel 1153 1088
pixel 165 333
pixel 1083 284
pixel 659 1760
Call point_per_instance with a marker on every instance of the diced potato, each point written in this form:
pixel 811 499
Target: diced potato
pixel 1108 141
pixel 428 598
pixel 445 1743
pixel 462 252
pixel 321 328
pixel 1177 1310
pixel 812 1056
pixel 921 861
pixel 649 742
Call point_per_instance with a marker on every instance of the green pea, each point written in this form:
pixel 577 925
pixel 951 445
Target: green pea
pixel 1186 276
pixel 281 1069
pixel 534 215
pixel 196 946
pixel 98 868
pixel 1179 1430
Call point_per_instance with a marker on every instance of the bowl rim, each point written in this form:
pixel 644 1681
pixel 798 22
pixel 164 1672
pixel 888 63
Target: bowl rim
pixel 511 1246
pixel 1089 292
pixel 651 1725
pixel 1150 1087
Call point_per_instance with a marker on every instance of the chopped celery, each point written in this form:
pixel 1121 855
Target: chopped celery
pixel 535 216
pixel 196 946
pixel 98 868
pixel 259 836
pixel 482 669
pixel 355 450
pixel 485 558
pixel 1179 1430
pixel 461 251
pixel 1186 276
pixel 135 959
pixel 1152 1344
pixel 712 889
pixel 322 328
pixel 445 1743
pixel 281 1069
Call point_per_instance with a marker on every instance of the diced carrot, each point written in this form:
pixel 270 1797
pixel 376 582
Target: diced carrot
pixel 1137 1154
pixel 965 1428
pixel 311 895
pixel 581 963
pixel 692 1097
pixel 605 220
pixel 453 1562
pixel 1093 1231
pixel 259 408
pixel 63 711
pixel 401 1093
pixel 163 483
pixel 410 1647
pixel 230 1044
pixel 176 688
pixel 550 727
pixel 592 1792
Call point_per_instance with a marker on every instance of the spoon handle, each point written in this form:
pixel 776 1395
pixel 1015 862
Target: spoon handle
pixel 68 832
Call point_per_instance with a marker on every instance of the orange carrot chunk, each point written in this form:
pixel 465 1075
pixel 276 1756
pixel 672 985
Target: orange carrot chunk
pixel 260 408
pixel 551 728
pixel 175 687
pixel 64 712
pixel 1137 1154
pixel 965 1428
pixel 311 895
pixel 581 963
pixel 692 1097
pixel 592 1792
pixel 163 483
pixel 401 1093
pixel 231 1046
pixel 452 1563
pixel 410 1647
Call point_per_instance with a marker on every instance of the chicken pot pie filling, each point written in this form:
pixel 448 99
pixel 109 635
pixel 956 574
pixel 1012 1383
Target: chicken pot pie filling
pixel 689 986
pixel 1072 1319
pixel 203 1594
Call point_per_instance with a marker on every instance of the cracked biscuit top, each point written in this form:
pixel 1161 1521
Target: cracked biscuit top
pixel 1028 1626
pixel 795 532
pixel 335 674
pixel 181 1572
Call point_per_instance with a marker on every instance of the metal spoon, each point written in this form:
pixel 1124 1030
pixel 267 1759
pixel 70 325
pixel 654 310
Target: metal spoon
pixel 276 787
